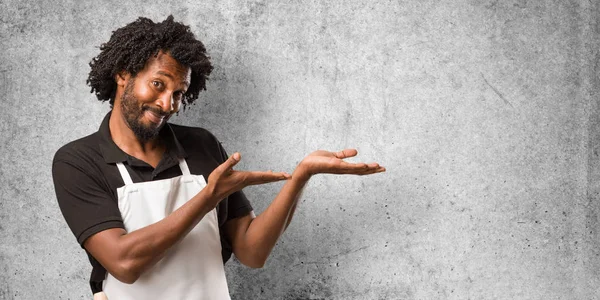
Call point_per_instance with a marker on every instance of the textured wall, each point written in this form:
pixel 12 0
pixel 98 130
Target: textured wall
pixel 484 112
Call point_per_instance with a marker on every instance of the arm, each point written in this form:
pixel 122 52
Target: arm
pixel 253 238
pixel 127 255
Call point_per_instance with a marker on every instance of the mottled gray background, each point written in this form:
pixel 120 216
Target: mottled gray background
pixel 484 112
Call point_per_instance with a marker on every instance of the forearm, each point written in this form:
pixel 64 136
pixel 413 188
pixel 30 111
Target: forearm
pixel 132 253
pixel 264 231
pixel 253 239
pixel 127 255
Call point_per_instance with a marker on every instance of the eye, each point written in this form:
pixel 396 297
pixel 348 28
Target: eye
pixel 157 84
pixel 178 95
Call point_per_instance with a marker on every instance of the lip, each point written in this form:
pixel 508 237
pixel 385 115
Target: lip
pixel 154 118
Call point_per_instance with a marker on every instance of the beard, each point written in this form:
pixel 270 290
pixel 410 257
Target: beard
pixel 133 114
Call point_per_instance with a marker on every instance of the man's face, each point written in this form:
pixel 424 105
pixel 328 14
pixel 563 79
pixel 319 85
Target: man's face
pixel 154 95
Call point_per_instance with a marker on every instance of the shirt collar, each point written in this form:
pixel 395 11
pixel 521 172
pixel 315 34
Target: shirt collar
pixel 113 154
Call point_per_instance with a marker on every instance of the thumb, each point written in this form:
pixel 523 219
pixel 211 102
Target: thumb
pixel 231 161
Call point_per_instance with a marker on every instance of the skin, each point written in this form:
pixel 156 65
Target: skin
pixel 157 91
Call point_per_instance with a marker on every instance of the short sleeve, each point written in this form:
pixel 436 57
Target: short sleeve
pixel 85 205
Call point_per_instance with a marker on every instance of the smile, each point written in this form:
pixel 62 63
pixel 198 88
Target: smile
pixel 154 118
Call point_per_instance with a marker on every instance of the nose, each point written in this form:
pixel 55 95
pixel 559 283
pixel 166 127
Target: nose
pixel 166 102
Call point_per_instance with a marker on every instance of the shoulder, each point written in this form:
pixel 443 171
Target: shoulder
pixel 192 133
pixel 196 138
pixel 83 151
pixel 197 141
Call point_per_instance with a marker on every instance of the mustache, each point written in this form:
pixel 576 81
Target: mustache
pixel 156 111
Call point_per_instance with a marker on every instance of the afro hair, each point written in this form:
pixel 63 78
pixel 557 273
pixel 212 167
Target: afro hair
pixel 130 47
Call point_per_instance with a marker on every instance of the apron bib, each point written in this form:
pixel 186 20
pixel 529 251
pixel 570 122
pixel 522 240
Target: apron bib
pixel 192 268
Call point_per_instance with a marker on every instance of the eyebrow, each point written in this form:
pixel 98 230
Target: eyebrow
pixel 187 84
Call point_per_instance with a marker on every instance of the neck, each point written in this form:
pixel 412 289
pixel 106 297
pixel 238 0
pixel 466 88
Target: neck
pixel 127 141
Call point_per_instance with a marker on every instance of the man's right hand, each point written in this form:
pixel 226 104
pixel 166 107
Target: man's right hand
pixel 126 255
pixel 223 181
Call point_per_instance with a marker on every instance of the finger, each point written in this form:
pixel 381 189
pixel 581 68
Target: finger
pixel 255 177
pixel 364 171
pixel 346 153
pixel 267 178
pixel 357 168
pixel 373 165
pixel 230 162
pixel 374 171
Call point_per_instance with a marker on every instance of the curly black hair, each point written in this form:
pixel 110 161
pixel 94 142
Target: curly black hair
pixel 131 46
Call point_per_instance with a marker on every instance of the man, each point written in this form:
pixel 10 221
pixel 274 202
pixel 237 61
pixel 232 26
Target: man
pixel 158 207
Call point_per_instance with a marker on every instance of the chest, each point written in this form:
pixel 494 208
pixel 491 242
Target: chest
pixel 143 172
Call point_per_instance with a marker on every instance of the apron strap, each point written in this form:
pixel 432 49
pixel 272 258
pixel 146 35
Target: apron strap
pixel 184 167
pixel 126 177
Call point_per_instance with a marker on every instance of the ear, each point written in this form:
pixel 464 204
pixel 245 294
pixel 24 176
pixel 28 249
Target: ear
pixel 121 78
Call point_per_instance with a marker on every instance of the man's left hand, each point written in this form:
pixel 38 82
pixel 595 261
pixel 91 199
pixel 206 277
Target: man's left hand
pixel 325 162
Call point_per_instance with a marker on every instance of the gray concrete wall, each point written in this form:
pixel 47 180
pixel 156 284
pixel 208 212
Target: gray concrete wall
pixel 484 112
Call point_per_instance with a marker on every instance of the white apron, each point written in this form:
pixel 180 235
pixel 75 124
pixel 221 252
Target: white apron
pixel 192 268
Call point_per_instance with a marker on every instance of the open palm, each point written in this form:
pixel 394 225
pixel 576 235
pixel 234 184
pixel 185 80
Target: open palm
pixel 322 161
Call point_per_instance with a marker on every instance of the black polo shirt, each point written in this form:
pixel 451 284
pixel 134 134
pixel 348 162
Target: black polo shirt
pixel 86 179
